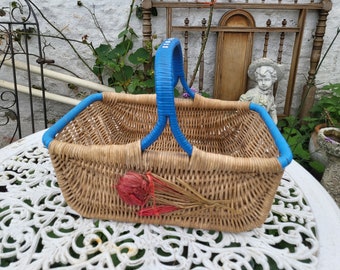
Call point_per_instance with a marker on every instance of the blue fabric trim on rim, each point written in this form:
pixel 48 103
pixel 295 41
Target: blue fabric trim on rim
pixel 286 155
pixel 68 117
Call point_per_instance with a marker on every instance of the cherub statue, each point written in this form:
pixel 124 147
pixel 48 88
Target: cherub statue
pixel 265 72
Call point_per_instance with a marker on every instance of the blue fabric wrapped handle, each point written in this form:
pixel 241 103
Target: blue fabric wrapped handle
pixel 168 70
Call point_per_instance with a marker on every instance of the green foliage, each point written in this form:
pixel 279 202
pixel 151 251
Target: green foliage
pixel 297 131
pixel 123 66
pixel 327 108
pixel 297 135
pixel 324 111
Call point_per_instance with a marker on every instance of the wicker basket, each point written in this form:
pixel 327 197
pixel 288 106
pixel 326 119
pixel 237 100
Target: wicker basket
pixel 212 164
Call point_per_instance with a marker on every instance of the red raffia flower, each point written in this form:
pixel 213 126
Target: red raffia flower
pixel 156 195
pixel 138 189
pixel 134 188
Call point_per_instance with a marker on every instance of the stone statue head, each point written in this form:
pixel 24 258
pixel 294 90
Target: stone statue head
pixel 263 66
pixel 265 76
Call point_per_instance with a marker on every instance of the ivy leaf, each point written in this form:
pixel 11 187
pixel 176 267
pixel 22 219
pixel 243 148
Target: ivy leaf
pixel 122 48
pixel 301 152
pixel 119 89
pixel 133 33
pixel 132 86
pixel 150 83
pixel 103 49
pixel 140 56
pixel 123 33
pixel 124 75
pixel 102 52
pixel 113 66
pixel 98 69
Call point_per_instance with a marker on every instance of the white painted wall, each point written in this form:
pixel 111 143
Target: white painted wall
pixel 76 21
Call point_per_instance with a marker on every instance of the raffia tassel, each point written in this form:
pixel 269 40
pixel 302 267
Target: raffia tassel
pixel 163 195
pixel 156 211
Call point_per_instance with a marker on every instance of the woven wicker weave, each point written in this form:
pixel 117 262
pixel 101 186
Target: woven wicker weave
pixel 234 159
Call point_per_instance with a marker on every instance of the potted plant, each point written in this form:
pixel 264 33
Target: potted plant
pixel 301 134
pixel 324 113
pixel 329 141
pixel 324 144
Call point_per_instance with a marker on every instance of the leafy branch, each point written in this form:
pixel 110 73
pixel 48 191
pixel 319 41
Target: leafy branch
pixel 63 36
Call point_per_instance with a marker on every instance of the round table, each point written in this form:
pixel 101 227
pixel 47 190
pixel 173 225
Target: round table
pixel 39 231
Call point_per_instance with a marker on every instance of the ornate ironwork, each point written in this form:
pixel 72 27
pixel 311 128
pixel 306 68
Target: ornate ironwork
pixel 7 110
pixel 40 231
pixel 18 24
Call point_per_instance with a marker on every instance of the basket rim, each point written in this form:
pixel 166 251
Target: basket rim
pixel 199 160
pixel 285 154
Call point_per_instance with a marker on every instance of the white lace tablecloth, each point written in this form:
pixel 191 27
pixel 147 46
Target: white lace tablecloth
pixel 39 231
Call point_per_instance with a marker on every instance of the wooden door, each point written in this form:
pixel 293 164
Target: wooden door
pixel 233 54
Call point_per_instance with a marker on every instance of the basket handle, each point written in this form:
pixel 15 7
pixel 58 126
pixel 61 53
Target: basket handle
pixel 168 69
